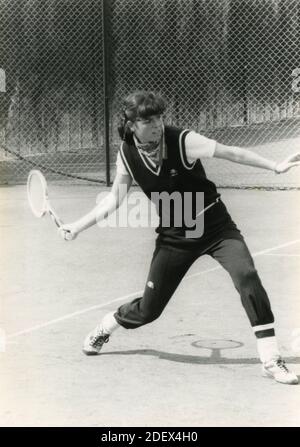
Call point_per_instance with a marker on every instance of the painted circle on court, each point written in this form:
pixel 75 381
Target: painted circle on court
pixel 216 344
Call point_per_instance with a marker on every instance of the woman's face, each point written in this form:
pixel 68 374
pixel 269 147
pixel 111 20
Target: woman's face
pixel 148 129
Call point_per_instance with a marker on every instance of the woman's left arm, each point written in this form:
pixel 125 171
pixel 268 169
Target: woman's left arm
pixel 247 157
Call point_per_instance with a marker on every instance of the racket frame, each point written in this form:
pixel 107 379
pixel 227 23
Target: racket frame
pixel 47 208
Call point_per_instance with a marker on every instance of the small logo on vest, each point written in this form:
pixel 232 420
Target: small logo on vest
pixel 150 284
pixel 173 172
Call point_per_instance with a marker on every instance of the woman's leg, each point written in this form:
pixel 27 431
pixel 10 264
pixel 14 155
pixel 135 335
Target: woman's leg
pixel 167 269
pixel 168 266
pixel 234 256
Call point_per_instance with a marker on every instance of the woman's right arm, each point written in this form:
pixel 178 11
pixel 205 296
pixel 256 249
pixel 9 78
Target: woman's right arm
pixel 103 209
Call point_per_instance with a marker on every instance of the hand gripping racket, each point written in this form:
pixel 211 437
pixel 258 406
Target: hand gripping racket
pixel 37 193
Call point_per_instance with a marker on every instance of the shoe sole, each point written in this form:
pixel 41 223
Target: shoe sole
pixel 268 375
pixel 90 352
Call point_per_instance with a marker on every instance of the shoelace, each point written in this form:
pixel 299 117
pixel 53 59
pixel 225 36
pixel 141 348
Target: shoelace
pixel 99 339
pixel 281 364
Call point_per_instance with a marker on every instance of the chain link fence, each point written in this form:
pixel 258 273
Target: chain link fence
pixel 228 69
pixel 51 112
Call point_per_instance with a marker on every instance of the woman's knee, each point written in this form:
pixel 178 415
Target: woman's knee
pixel 246 276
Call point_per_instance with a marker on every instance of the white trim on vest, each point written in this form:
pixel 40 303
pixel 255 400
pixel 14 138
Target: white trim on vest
pixel 125 162
pixel 190 166
pixel 157 172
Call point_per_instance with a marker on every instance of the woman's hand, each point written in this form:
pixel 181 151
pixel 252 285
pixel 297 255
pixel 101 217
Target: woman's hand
pixel 288 163
pixel 68 232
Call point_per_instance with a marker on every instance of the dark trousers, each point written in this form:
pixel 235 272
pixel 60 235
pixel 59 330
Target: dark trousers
pixel 168 267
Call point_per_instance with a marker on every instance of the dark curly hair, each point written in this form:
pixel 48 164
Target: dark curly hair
pixel 139 104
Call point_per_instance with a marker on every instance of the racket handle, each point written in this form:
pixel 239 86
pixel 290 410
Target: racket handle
pixel 58 222
pixel 55 218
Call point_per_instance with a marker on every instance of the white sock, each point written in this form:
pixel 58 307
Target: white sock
pixel 267 348
pixel 109 323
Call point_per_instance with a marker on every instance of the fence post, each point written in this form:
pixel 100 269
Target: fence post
pixel 105 43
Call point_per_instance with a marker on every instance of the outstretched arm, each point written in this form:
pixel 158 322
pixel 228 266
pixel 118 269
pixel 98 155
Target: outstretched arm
pixel 198 146
pixel 102 210
pixel 247 157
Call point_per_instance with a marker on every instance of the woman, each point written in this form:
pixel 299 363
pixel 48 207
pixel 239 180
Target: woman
pixel 164 159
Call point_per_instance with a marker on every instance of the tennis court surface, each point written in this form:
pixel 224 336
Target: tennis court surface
pixel 195 366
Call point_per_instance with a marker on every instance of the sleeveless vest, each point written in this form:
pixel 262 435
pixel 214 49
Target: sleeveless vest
pixel 176 175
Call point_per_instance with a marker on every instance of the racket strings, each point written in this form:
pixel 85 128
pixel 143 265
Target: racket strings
pixel 37 195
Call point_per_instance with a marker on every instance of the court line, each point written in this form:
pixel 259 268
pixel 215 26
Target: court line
pixel 132 295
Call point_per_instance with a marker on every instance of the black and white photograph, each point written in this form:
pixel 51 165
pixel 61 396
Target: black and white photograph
pixel 149 215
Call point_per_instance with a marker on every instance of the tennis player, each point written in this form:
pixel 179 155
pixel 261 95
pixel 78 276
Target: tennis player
pixel 167 159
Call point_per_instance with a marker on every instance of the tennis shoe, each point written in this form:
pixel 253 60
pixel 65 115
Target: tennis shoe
pixel 94 341
pixel 277 369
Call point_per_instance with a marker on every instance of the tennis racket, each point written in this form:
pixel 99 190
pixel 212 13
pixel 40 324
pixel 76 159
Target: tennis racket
pixel 38 198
